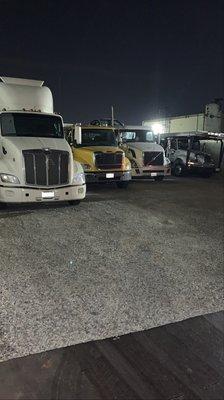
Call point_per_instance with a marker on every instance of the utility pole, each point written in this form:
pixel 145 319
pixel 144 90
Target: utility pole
pixel 112 115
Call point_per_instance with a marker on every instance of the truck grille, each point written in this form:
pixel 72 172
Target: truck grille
pixel 109 160
pixel 153 158
pixel 46 167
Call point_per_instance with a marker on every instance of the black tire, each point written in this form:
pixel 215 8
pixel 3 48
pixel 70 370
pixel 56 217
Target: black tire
pixel 178 169
pixel 3 206
pixel 74 202
pixel 122 184
pixel 159 178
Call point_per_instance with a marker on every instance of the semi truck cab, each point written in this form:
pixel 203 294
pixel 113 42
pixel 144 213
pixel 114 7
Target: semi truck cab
pixel 96 148
pixel 147 157
pixel 36 163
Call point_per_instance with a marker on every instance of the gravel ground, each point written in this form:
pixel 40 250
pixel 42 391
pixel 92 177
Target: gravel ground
pixel 122 261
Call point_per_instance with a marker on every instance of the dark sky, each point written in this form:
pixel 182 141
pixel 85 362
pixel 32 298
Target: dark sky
pixel 147 58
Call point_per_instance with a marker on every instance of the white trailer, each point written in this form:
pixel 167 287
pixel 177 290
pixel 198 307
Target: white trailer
pixel 36 163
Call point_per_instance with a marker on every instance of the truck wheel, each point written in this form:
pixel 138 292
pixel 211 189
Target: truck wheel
pixel 122 184
pixel 3 206
pixel 73 202
pixel 178 169
pixel 159 178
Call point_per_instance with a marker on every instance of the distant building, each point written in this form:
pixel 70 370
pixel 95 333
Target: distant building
pixel 211 120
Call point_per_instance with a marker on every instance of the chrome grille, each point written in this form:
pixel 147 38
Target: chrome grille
pixel 46 167
pixel 109 160
pixel 153 158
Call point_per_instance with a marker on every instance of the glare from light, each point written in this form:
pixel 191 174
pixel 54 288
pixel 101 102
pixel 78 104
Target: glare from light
pixel 157 128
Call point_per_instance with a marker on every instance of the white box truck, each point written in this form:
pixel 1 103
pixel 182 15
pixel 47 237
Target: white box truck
pixel 36 162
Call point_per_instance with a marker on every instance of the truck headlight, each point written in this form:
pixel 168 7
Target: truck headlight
pixel 79 179
pixel 7 178
pixel 128 166
pixel 195 160
pixel 191 162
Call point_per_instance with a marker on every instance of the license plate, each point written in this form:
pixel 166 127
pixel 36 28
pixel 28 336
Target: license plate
pixel 110 175
pixel 153 173
pixel 47 195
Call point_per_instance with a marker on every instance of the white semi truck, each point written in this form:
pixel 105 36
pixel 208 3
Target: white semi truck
pixel 36 162
pixel 148 159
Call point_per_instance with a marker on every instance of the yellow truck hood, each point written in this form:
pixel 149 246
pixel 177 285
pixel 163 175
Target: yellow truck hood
pixel 104 149
pixel 85 155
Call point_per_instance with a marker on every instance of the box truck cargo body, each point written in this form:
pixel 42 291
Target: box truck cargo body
pixel 36 163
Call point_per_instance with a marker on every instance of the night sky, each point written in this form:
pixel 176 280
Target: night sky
pixel 147 58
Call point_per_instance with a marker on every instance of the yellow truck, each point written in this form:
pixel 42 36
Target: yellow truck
pixel 96 148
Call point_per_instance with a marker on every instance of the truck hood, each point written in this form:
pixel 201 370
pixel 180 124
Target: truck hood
pixel 85 155
pixel 143 146
pixel 26 143
pixel 12 161
pixel 103 149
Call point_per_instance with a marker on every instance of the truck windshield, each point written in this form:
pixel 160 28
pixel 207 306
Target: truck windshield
pixel 31 125
pixel 138 136
pixel 95 137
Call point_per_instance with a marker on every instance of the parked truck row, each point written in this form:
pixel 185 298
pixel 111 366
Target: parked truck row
pixel 43 159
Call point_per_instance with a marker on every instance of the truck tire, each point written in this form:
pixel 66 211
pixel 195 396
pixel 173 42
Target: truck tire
pixel 159 178
pixel 74 202
pixel 3 206
pixel 178 168
pixel 122 184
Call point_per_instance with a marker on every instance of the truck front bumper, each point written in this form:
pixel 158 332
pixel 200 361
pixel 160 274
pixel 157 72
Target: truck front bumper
pixel 107 176
pixel 152 171
pixel 200 168
pixel 9 194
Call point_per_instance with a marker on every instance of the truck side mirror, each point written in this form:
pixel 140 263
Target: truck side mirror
pixel 78 134
pixel 69 138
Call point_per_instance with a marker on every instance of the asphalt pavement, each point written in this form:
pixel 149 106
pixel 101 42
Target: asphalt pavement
pixel 121 261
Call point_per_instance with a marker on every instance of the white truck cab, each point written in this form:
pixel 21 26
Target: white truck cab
pixel 36 163
pixel 147 157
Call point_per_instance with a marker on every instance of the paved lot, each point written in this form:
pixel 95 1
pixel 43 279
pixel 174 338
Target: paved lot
pixel 122 261
pixel 180 361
